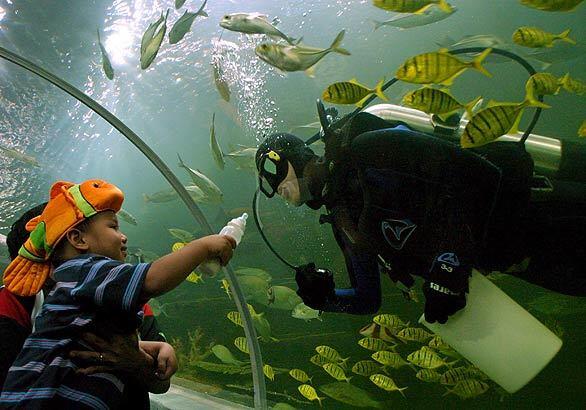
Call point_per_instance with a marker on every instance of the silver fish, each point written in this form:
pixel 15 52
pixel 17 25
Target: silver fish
pixel 106 65
pixel 430 15
pixel 225 355
pixel 183 24
pixel 220 81
pixel 244 158
pixel 283 298
pixel 208 187
pixel 304 312
pixel 214 146
pixel 152 47
pixel 19 156
pixel 127 216
pixel 253 23
pixel 147 36
pixel 297 58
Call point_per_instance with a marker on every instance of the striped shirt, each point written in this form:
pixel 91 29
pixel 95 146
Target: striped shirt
pixel 92 293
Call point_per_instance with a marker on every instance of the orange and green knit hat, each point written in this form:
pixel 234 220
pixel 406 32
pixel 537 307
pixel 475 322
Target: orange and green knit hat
pixel 69 204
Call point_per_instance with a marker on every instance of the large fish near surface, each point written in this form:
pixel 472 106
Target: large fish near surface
pixel 297 58
pixel 106 65
pixel 208 187
pixel 430 15
pixel 183 24
pixel 253 23
pixel 552 5
pixel 152 44
pixel 19 156
pixel 214 146
pixel 410 6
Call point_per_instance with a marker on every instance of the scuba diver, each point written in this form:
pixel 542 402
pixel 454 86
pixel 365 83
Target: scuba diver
pixel 409 203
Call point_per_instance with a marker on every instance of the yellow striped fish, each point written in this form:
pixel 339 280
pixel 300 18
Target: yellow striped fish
pixel 428 375
pixel 438 67
pixel 389 321
pixel 373 344
pixel 336 372
pixel 453 376
pixel 535 38
pixel 330 354
pixel 552 5
pixel 411 6
pixel 468 389
pixel 542 84
pixel 352 92
pixel 573 85
pixel 438 343
pixel 426 358
pixel 299 375
pixel 414 334
pixel 241 344
pixel 226 286
pixel 235 318
pixel 194 277
pixel 495 120
pixel 434 101
pixel 318 360
pixel 386 383
pixel 269 372
pixel 582 129
pixel 309 393
pixel 378 332
pixel 177 245
pixel 390 359
pixel 366 368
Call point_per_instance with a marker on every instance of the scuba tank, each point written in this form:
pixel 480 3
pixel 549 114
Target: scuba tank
pixel 560 172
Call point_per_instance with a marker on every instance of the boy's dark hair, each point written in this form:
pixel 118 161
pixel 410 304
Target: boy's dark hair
pixel 57 252
pixel 18 233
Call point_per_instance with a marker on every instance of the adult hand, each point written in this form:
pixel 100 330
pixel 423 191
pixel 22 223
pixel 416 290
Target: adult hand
pixel 120 353
pixel 164 356
pixel 446 287
pixel 316 285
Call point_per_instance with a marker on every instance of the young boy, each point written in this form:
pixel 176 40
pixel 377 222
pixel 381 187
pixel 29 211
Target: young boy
pixel 95 291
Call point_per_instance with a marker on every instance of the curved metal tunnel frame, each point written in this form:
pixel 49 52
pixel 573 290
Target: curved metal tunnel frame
pixel 260 401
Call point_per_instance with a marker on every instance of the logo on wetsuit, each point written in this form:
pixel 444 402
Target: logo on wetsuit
pixel 397 231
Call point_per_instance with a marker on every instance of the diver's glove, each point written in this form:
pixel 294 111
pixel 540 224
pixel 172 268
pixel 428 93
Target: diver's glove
pixel 445 289
pixel 316 286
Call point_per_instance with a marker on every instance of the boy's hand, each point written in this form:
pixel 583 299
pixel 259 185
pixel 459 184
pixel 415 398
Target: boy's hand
pixel 220 247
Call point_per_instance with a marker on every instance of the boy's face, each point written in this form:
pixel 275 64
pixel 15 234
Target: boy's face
pixel 103 236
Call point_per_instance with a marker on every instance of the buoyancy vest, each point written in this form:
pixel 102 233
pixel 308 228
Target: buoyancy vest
pixel 419 195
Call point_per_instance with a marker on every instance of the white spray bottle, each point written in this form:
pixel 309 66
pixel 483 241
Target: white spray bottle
pixel 235 228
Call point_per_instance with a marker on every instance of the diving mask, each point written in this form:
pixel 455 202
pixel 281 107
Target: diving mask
pixel 272 170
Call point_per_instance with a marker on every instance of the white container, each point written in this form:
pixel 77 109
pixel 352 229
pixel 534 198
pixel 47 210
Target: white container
pixel 498 336
pixel 235 228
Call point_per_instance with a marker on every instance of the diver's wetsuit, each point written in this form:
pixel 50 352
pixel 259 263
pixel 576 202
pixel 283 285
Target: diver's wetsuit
pixel 402 197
